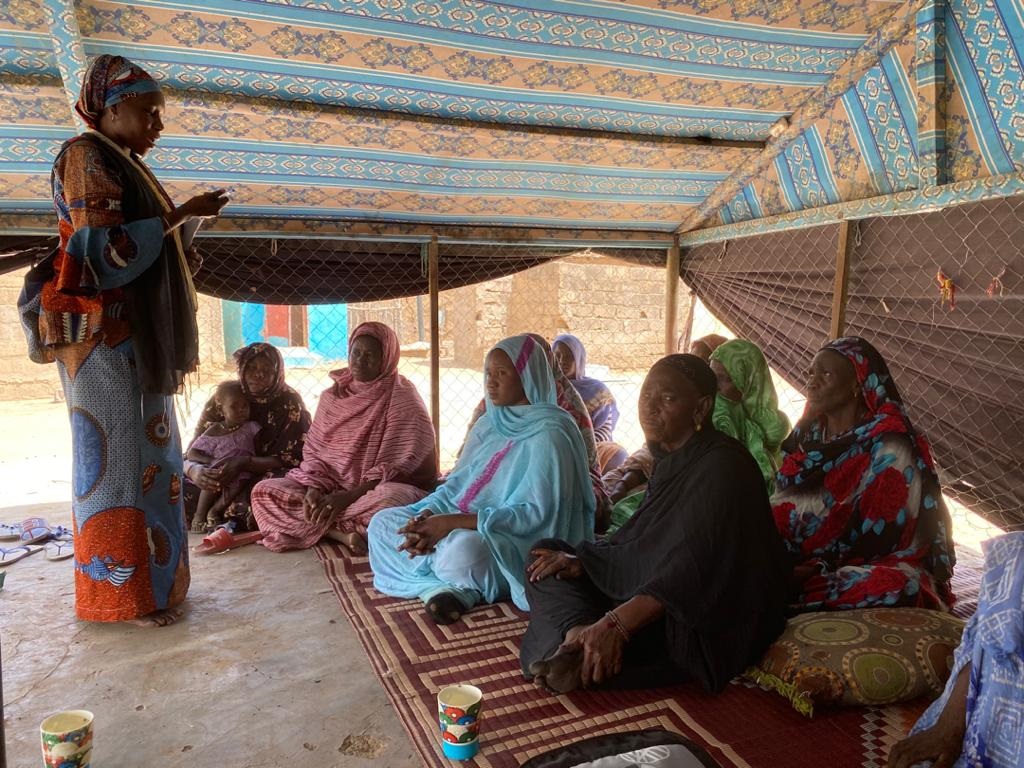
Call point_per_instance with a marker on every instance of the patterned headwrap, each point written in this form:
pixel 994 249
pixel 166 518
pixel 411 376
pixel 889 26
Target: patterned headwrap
pixel 810 459
pixel 110 80
pixel 246 355
pixel 756 420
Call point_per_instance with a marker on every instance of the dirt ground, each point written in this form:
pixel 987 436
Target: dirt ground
pixel 263 672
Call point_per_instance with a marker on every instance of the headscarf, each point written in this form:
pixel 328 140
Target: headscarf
pixel 600 402
pixel 246 355
pixel 369 430
pixel 696 371
pixel 109 80
pixel 756 420
pixel 531 363
pixel 809 458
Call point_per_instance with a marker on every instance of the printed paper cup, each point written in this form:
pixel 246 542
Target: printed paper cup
pixel 458 712
pixel 67 739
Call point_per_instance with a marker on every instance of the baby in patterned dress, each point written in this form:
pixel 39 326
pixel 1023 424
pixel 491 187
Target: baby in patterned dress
pixel 231 438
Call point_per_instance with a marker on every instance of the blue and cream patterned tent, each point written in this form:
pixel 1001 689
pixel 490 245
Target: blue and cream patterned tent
pixel 601 119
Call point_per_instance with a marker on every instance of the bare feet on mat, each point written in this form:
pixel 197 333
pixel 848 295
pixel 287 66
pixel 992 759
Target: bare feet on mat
pixel 444 608
pixel 560 673
pixel 354 542
pixel 162 618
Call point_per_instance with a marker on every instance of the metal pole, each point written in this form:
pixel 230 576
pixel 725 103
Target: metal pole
pixel 842 283
pixel 435 343
pixel 671 296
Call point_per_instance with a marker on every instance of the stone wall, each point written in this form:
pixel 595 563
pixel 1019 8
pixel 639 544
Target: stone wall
pixel 617 310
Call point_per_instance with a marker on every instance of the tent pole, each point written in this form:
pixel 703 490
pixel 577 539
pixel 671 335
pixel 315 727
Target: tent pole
pixel 671 295
pixel 842 284
pixel 435 343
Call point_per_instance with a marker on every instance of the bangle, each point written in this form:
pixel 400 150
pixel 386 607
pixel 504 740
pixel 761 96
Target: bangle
pixel 614 622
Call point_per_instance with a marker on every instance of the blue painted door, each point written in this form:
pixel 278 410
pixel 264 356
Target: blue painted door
pixel 328 330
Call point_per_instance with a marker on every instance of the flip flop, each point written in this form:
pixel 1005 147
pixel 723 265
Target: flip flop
pixel 9 532
pixel 14 554
pixel 221 540
pixel 60 549
pixel 60 533
pixel 34 529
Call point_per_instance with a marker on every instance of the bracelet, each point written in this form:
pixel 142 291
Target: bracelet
pixel 615 623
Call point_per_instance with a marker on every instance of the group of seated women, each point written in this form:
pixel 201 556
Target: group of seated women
pixel 735 520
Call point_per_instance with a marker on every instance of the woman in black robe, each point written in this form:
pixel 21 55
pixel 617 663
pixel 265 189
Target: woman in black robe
pixel 692 587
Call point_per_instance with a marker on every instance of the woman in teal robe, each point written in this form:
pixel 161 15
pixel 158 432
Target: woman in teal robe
pixel 522 476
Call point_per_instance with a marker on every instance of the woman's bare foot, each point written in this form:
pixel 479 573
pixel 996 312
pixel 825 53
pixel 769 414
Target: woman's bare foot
pixel 560 673
pixel 354 542
pixel 444 608
pixel 162 618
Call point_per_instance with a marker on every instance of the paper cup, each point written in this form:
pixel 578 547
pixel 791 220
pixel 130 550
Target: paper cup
pixel 458 712
pixel 67 739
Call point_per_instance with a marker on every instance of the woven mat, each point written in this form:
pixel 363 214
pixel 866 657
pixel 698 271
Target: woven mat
pixel 742 727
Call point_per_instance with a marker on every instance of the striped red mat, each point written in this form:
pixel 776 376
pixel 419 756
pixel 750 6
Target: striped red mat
pixel 743 727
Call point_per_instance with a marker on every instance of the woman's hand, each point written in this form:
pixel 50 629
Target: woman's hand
pixel 311 501
pixel 551 562
pixel 423 533
pixel 939 744
pixel 206 205
pixel 206 478
pixel 603 646
pixel 231 468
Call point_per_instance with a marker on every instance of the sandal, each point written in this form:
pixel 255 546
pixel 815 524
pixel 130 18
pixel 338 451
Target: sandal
pixel 34 529
pixel 222 540
pixel 9 532
pixel 444 608
pixel 60 549
pixel 14 554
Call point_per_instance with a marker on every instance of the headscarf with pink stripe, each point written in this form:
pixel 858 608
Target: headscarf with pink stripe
pixel 531 361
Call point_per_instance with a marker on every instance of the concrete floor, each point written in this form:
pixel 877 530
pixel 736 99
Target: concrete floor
pixel 264 670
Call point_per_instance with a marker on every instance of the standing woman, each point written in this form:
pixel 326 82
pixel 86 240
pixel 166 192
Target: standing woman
pixel 119 319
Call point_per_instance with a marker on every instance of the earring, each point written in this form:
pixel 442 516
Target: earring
pixel 699 427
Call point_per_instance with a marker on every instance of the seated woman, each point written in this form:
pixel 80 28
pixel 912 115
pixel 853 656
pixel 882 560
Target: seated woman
pixel 571 358
pixel 858 501
pixel 747 406
pixel 283 420
pixel 979 719
pixel 371 446
pixel 568 400
pixel 693 587
pixel 522 476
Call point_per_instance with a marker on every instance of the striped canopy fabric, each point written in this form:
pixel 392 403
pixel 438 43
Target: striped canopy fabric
pixel 583 115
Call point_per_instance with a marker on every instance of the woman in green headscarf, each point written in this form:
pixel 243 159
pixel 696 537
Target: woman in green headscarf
pixel 747 407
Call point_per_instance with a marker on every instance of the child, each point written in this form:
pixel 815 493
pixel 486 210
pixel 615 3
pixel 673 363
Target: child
pixel 231 438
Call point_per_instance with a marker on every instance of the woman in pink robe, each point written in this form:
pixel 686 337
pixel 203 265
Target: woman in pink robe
pixel 371 446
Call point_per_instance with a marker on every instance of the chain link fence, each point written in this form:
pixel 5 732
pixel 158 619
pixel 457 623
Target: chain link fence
pixel 617 308
pixel 939 294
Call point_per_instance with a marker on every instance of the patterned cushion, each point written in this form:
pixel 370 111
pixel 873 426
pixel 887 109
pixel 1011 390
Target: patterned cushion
pixel 870 656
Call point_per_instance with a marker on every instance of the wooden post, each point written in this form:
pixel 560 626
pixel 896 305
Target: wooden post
pixel 435 342
pixel 842 283
pixel 671 295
